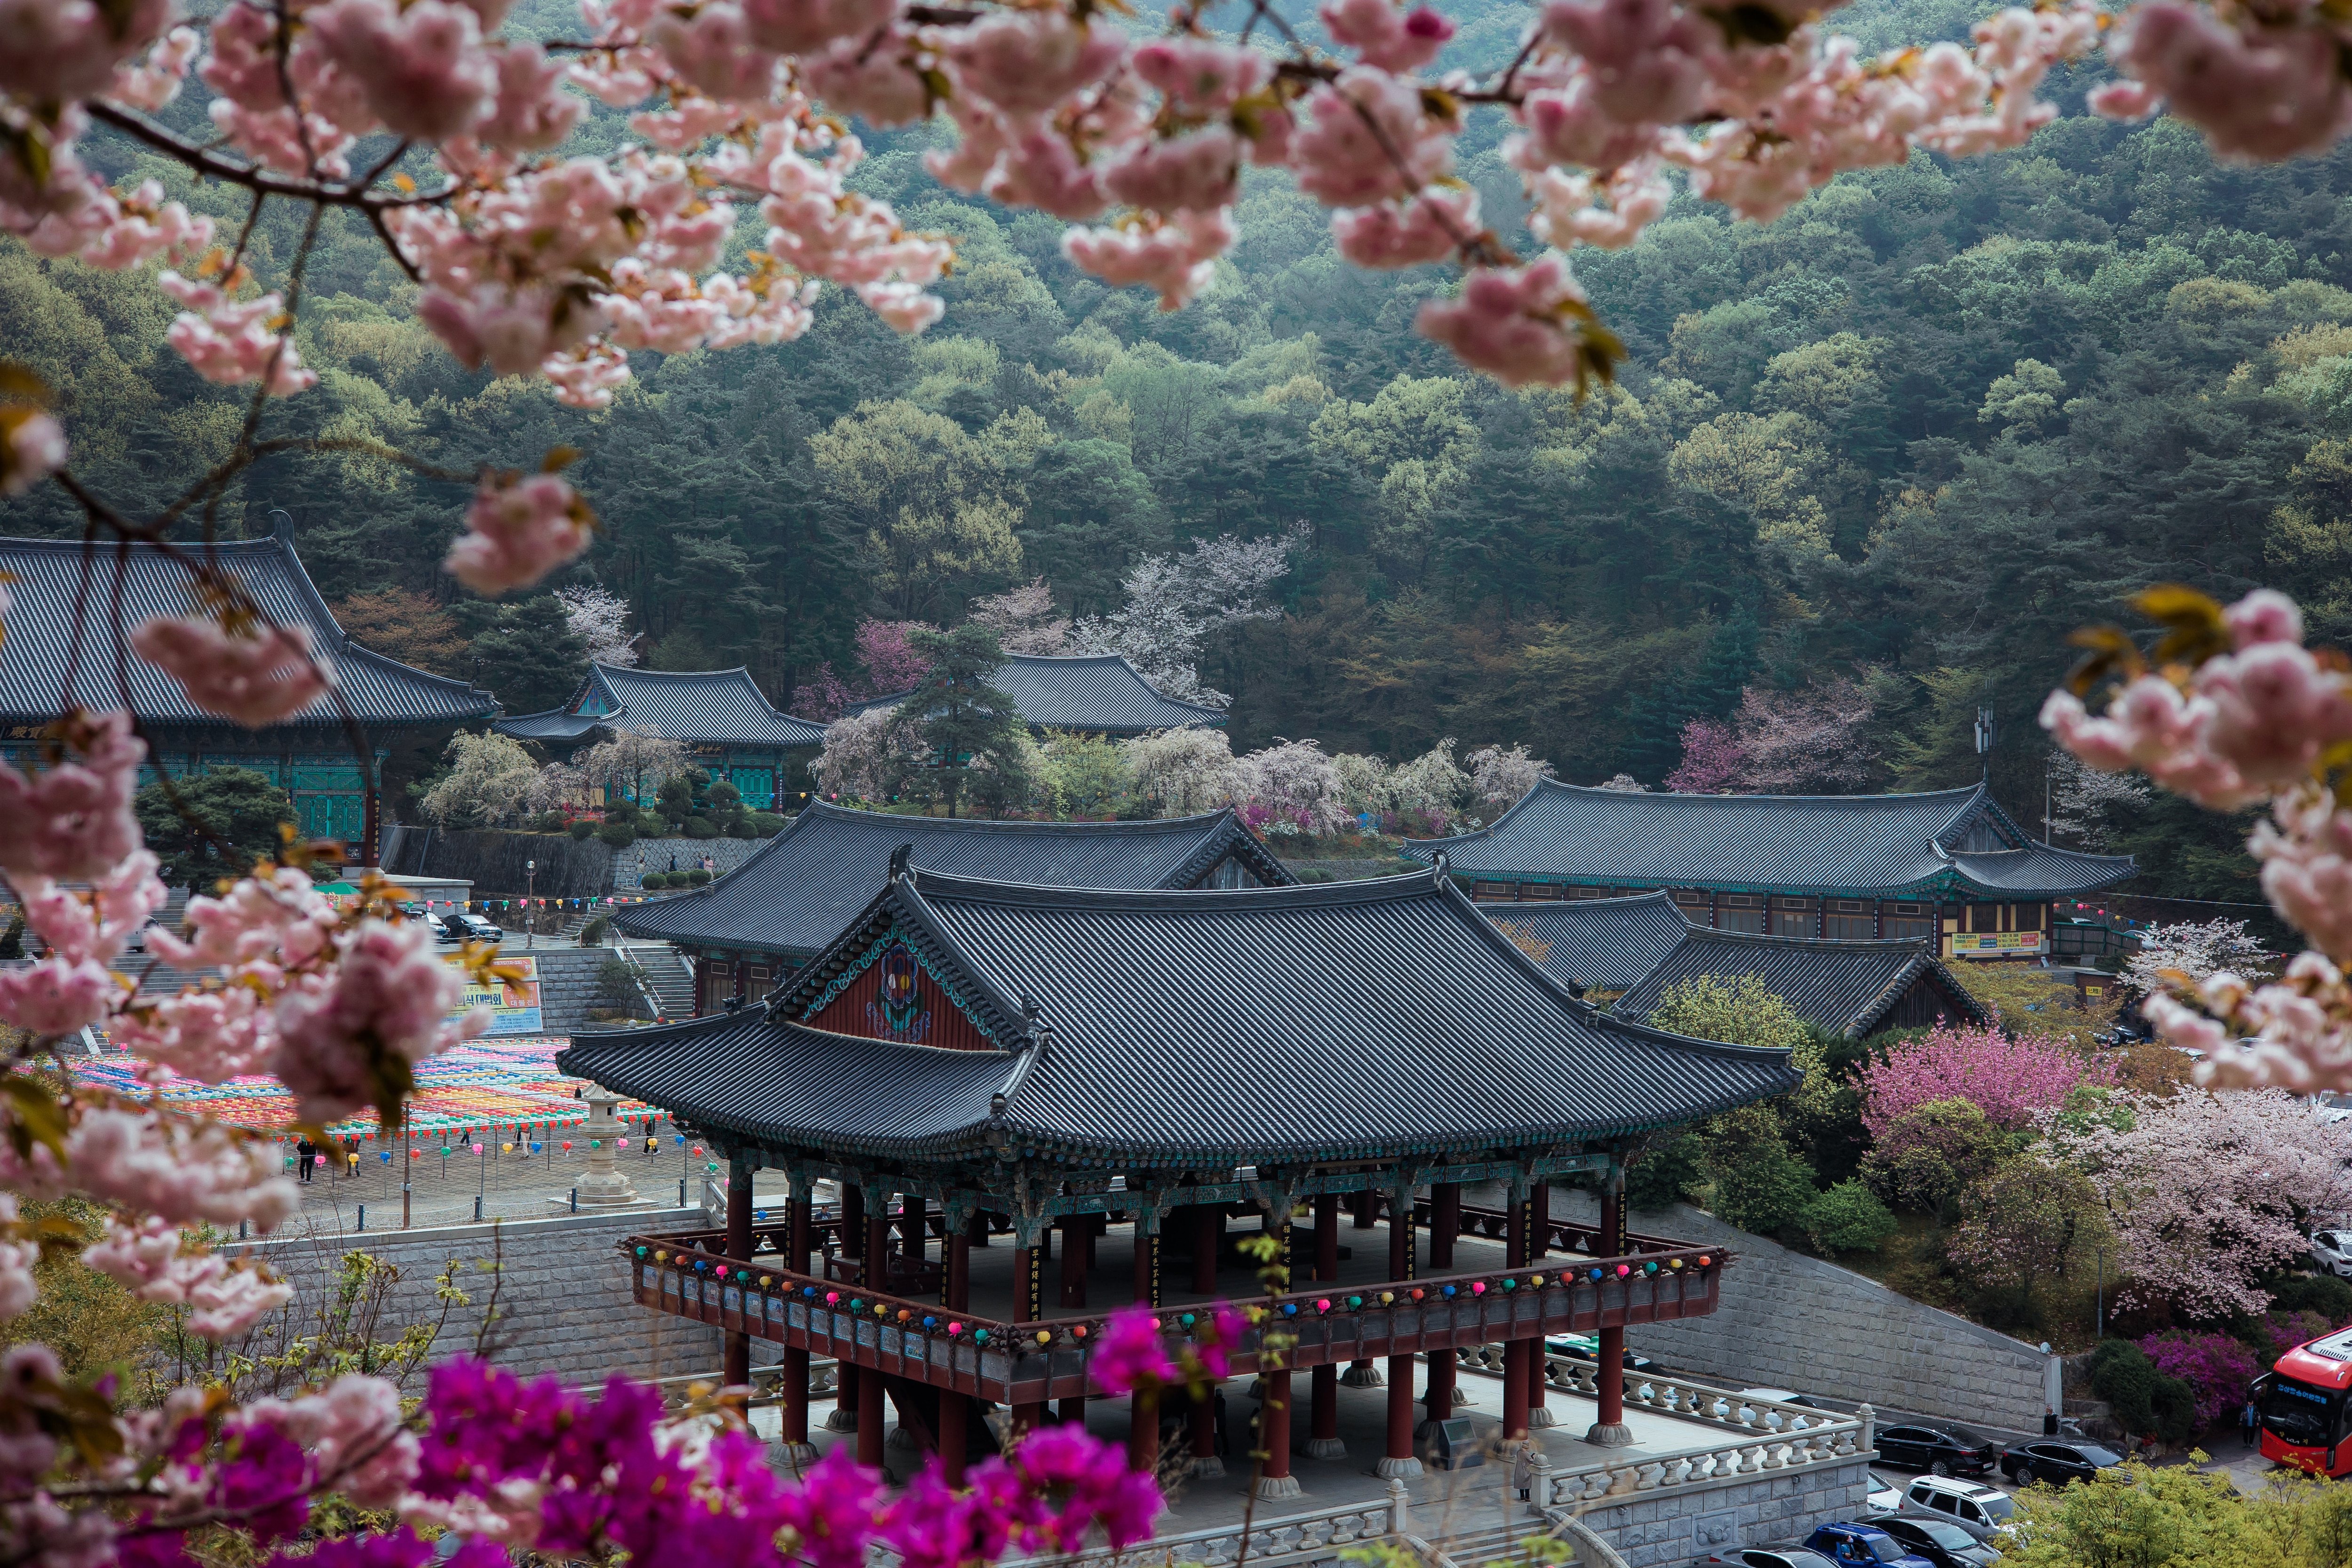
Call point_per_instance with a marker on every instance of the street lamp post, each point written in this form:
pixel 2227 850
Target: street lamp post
pixel 530 912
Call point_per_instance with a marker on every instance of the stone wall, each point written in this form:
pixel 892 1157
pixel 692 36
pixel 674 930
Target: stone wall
pixel 1792 1322
pixel 562 1292
pixel 1764 1511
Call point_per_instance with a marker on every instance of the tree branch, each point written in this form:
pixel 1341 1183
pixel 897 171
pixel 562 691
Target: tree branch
pixel 213 166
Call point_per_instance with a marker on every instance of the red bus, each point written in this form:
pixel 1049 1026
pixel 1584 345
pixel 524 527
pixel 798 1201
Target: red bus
pixel 2302 1403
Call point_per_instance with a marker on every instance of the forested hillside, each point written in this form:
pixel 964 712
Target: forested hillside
pixel 1909 436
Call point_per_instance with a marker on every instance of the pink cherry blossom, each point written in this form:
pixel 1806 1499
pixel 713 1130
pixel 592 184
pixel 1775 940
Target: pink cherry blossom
pixel 142 226
pixel 155 81
pixel 532 112
pixel 1371 140
pixel 804 26
pixel 1176 257
pixel 1567 125
pixel 73 822
pixel 1200 76
pixel 2263 616
pixel 1384 37
pixel 93 924
pixel 1199 172
pixel 1025 62
pixel 209 1036
pixel 1607 213
pixel 353 1430
pixel 1511 325
pixel 878 84
pixel 2125 100
pixel 514 331
pixel 587 377
pixel 259 678
pixel 713 49
pixel 421 67
pixel 53 49
pixel 18 1289
pixel 31 449
pixel 2258 92
pixel 1039 169
pixel 1646 60
pixel 517 530
pixel 1429 228
pixel 230 340
pixel 179 1171
pixel 386 1000
pixel 225 1302
pixel 275 917
pixel 56 996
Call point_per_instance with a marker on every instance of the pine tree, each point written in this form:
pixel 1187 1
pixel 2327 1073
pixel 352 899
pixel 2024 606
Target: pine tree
pixel 965 717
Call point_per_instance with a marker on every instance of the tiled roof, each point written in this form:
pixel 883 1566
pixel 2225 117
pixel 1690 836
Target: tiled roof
pixel 808 882
pixel 1870 844
pixel 701 708
pixel 1091 692
pixel 40 629
pixel 1844 987
pixel 1598 944
pixel 1343 1020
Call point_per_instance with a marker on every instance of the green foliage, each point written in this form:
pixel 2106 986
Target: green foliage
pixel 1847 1217
pixel 763 825
pixel 967 721
pixel 1760 1186
pixel 1932 1154
pixel 581 829
pixel 93 1323
pixel 1740 1010
pixel 2145 1400
pixel 617 831
pixel 1668 1172
pixel 236 813
pixel 526 651
pixel 2326 1294
pixel 592 934
pixel 698 878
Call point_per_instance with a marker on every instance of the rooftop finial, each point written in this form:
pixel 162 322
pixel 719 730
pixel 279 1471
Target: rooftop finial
pixel 1028 1009
pixel 898 858
pixel 1437 865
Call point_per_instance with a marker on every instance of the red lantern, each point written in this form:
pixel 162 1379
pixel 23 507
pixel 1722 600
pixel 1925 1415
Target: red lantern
pixel 567 1143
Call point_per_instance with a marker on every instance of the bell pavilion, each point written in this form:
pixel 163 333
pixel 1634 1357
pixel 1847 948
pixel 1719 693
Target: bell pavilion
pixel 310 755
pixel 1071 1070
pixel 1947 866
pixel 747 931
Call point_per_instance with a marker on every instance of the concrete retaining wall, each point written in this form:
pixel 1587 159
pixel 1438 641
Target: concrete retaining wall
pixel 1765 1510
pixel 562 1292
pixel 1792 1321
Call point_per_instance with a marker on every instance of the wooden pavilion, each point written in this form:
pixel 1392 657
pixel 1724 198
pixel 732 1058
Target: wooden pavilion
pixel 1097 1069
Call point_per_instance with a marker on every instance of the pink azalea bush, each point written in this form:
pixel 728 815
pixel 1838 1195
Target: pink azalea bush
pixel 2012 1080
pixel 2218 1368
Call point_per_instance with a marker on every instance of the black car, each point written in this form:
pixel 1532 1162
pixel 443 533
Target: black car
pixel 1945 1545
pixel 2057 1463
pixel 1764 1557
pixel 1941 1450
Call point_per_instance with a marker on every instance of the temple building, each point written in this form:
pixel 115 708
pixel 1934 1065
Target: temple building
pixel 751 927
pixel 1948 865
pixel 1096 694
pixel 310 755
pixel 1624 953
pixel 727 725
pixel 1117 1075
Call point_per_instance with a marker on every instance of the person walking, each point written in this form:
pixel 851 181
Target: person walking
pixel 307 1154
pixel 2252 1420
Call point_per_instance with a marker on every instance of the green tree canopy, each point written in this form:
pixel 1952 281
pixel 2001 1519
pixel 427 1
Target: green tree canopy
pixel 226 820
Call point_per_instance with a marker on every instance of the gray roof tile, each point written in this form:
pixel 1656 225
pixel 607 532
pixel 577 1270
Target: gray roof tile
pixel 1869 844
pixel 1340 1020
pixel 794 896
pixel 40 629
pixel 1844 987
pixel 701 708
pixel 1601 944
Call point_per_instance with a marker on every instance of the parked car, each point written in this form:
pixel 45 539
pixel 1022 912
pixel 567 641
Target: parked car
pixel 137 941
pixel 2331 1252
pixel 1585 1347
pixel 1884 1496
pixel 1982 1511
pixel 1862 1545
pixel 1939 1540
pixel 2057 1463
pixel 1781 1556
pixel 471 928
pixel 1942 1450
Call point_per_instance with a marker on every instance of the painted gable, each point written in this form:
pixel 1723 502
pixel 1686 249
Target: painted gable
pixel 889 993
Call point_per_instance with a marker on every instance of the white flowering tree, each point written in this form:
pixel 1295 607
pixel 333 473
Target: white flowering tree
pixel 490 782
pixel 2190 953
pixel 1501 776
pixel 1175 603
pixel 1184 772
pixel 1289 787
pixel 632 765
pixel 600 618
pixel 870 755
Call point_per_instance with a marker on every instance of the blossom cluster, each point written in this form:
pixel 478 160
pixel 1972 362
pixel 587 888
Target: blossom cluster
pixel 2237 713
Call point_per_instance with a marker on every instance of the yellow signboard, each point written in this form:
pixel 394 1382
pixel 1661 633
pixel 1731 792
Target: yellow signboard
pixel 1996 943
pixel 513 1004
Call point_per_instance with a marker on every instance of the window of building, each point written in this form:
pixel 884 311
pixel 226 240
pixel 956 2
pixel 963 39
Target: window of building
pixel 1910 927
pixel 1751 918
pixel 1492 892
pixel 1792 922
pixel 2029 916
pixel 1984 917
pixel 1539 891
pixel 1691 898
pixel 1852 928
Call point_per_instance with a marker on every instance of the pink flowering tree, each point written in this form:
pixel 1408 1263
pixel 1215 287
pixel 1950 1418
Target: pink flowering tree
pixel 2228 709
pixel 2015 1081
pixel 1713 759
pixel 2205 1191
pixel 1780 742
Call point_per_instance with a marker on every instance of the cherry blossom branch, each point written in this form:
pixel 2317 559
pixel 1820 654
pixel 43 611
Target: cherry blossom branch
pixel 211 164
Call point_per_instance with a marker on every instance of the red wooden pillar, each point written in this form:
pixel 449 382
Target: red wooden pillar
pixel 1206 1465
pixel 956 1277
pixel 853 1245
pixel 1275 1479
pixel 1444 1224
pixel 1397 1459
pixel 1539 1244
pixel 1028 1306
pixel 796 1358
pixel 1073 1260
pixel 869 1381
pixel 1610 1430
pixel 1365 1209
pixel 735 1350
pixel 1323 1433
pixel 1517 1348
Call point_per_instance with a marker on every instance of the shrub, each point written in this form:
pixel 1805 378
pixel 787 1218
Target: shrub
pixel 618 831
pixel 2011 1081
pixel 548 822
pixel 1848 1218
pixel 581 828
pixel 698 878
pixel 765 823
pixel 652 824
pixel 1760 1186
pixel 2216 1367
pixel 701 827
pixel 592 934
pixel 2321 1293
pixel 654 881
pixel 2145 1399
pixel 1932 1153
pixel 12 945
